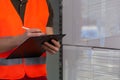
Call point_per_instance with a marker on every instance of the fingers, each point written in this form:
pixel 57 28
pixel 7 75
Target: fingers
pixel 32 32
pixel 48 49
pixel 56 43
pixel 52 49
pixel 29 34
pixel 51 46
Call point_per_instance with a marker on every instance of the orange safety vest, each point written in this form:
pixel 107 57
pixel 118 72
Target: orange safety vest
pixel 36 16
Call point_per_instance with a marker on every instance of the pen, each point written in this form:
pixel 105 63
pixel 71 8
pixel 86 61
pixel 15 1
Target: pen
pixel 25 28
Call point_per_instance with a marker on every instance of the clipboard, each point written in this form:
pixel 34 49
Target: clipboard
pixel 32 47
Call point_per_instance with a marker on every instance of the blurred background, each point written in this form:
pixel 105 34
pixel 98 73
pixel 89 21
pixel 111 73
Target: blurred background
pixel 91 47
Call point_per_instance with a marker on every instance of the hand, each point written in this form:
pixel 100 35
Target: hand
pixel 33 32
pixel 30 32
pixel 52 49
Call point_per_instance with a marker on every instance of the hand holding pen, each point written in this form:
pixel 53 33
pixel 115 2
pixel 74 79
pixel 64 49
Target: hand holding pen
pixel 29 32
pixel 32 32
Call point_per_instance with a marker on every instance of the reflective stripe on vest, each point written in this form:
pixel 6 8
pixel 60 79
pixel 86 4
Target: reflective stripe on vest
pixel 37 60
pixel 10 61
pixel 28 61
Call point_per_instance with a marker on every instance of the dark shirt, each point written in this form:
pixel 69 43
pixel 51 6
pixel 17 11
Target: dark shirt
pixel 20 6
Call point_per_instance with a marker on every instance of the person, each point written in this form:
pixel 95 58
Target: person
pixel 35 16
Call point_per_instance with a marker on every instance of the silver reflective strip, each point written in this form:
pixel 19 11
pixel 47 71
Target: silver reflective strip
pixel 35 60
pixel 10 61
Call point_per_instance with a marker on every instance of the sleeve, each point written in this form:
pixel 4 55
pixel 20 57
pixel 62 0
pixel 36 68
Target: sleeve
pixel 50 19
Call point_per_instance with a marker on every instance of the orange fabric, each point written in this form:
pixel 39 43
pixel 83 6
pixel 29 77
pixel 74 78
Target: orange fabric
pixel 12 72
pixel 32 72
pixel 28 78
pixel 36 16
